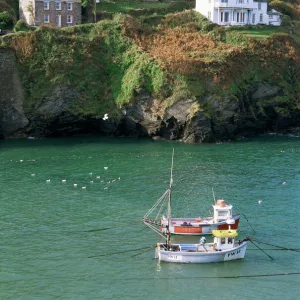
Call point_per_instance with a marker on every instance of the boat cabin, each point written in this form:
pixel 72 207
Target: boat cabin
pixel 222 211
pixel 224 239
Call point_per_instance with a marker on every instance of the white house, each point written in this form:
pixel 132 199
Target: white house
pixel 238 12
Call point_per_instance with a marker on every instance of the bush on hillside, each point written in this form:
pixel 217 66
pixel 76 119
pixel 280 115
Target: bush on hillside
pixel 285 8
pixel 21 25
pixel 189 18
pixel 6 19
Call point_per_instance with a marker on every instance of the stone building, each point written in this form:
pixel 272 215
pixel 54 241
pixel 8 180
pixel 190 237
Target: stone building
pixel 59 13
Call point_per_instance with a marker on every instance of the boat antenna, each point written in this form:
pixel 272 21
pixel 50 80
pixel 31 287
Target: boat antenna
pixel 213 195
pixel 169 202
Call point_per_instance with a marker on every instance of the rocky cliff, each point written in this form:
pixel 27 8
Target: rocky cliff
pixel 12 117
pixel 61 82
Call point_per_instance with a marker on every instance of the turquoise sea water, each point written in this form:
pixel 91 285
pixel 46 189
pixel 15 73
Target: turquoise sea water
pixel 62 242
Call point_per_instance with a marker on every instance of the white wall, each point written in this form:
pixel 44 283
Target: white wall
pixel 24 12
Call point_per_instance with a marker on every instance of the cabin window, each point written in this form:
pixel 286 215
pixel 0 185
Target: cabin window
pixel 230 240
pixel 222 241
pixel 222 213
pixel 46 5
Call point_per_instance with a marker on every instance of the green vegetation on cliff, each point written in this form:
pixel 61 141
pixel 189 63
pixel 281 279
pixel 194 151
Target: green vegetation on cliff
pixel 110 63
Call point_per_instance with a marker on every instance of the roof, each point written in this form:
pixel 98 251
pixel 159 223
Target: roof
pixel 224 233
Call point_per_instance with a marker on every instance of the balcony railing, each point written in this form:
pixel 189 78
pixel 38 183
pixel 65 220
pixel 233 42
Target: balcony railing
pixel 235 3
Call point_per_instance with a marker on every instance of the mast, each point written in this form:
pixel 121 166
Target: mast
pixel 169 201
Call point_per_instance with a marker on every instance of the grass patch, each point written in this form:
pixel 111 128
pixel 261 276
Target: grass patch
pixel 124 6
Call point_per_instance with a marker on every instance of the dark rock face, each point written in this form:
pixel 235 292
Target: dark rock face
pixel 213 118
pixel 12 117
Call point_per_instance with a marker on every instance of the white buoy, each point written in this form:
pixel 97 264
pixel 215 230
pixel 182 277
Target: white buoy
pixel 105 168
pixel 284 182
pixel 119 178
pixel 91 174
pixel 21 160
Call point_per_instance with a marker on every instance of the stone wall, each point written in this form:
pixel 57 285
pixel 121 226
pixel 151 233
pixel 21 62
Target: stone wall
pixel 12 115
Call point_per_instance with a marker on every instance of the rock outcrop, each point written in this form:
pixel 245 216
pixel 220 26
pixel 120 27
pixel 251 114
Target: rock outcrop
pixel 211 118
pixel 12 117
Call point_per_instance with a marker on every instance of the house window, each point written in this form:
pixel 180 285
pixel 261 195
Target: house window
pixel 58 5
pixel 225 19
pixel 46 5
pixel 260 17
pixel 224 1
pixel 58 20
pixel 46 19
pixel 69 19
pixel 271 16
pixel 240 17
pixel 209 15
pixel 70 6
pixel 253 19
pixel 259 6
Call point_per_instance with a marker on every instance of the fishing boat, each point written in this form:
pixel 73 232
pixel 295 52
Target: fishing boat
pixel 157 217
pixel 223 248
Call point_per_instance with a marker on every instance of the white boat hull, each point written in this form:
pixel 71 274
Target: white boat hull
pixel 189 253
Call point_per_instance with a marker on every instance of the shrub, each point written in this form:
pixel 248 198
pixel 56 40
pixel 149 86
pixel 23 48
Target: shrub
pixel 6 19
pixel 285 8
pixel 21 25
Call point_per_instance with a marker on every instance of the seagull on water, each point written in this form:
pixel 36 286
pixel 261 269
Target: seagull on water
pixel 75 184
pixel 84 187
pixel 105 117
pixel 48 180
pixel 98 177
pixel 260 201
pixel 32 174
pixel 63 180
pixel 105 168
